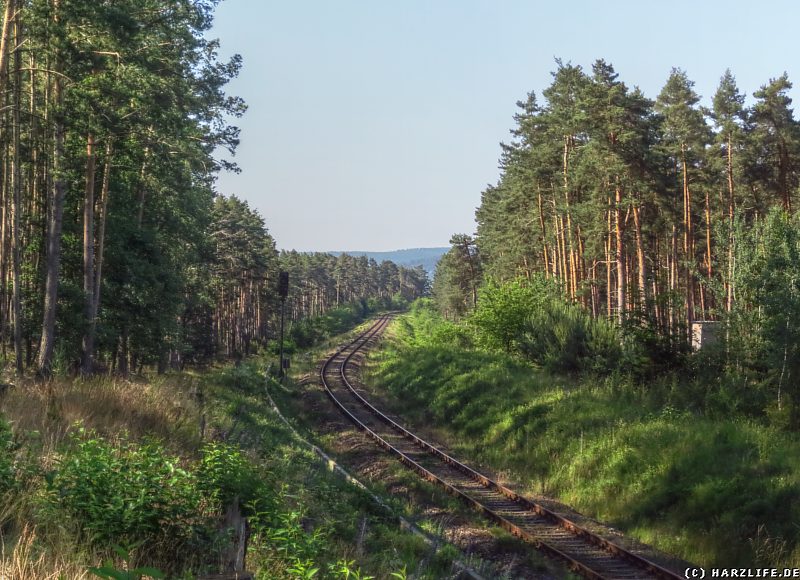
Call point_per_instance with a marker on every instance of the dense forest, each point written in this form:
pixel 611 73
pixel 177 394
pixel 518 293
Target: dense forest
pixel 634 205
pixel 117 256
pixel 619 222
pixel 115 250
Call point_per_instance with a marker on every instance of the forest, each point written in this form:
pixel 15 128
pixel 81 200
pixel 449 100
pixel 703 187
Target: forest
pixel 556 345
pixel 636 205
pixel 651 214
pixel 116 250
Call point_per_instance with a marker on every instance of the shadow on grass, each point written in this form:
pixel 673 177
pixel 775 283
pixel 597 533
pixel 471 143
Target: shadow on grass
pixel 713 491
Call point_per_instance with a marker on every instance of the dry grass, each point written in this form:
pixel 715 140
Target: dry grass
pixel 164 408
pixel 25 561
pixel 43 415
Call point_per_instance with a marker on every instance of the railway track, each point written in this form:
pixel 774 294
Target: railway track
pixel 584 552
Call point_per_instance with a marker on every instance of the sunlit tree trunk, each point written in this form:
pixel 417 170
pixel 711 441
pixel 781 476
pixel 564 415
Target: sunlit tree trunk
pixel 640 259
pixel 545 251
pixel 622 278
pixel 731 220
pixel 688 242
pixel 88 256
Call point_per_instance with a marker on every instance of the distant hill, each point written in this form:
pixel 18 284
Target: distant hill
pixel 425 257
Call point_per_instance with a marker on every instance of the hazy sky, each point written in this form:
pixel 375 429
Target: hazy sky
pixel 374 124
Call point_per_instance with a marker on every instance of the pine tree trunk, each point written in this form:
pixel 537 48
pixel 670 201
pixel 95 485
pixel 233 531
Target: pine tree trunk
pixel 688 244
pixel 657 276
pixel 609 280
pixel 8 18
pixel 544 236
pixel 622 278
pixel 54 224
pixel 570 248
pixel 641 263
pixel 581 265
pixel 595 297
pixel 97 275
pixel 564 259
pixel 16 206
pixel 673 277
pixel 142 185
pixel 5 313
pixel 557 262
pixel 709 263
pixel 88 257
pixel 783 182
pixel 122 353
pixel 731 220
pixel 5 194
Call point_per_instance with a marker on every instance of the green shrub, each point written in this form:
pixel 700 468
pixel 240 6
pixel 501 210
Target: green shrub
pixel 124 493
pixel 531 318
pixel 278 538
pixel 500 318
pixel 224 473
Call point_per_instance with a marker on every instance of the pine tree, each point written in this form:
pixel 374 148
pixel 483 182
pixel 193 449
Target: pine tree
pixel 729 117
pixel 685 137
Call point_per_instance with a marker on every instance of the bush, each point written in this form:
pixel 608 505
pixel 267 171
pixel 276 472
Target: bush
pixel 531 318
pixel 124 493
pixel 224 473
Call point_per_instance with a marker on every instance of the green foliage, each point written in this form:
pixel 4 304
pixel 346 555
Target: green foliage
pixel 429 328
pixel 502 313
pixel 124 492
pixel 531 318
pixel 457 277
pixel 282 532
pixel 8 450
pixel 562 337
pixel 646 350
pixel 308 332
pixel 763 341
pixel 110 572
pixel 225 473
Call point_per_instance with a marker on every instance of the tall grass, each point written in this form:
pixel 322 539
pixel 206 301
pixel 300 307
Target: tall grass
pixel 163 408
pixel 26 560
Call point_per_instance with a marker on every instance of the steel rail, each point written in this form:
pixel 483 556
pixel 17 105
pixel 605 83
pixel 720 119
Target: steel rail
pixel 578 531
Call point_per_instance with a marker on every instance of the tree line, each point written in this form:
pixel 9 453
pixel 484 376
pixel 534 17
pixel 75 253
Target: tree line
pixel 240 306
pixel 633 205
pixel 115 250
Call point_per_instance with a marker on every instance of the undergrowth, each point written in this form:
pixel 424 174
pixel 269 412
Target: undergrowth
pixel 117 479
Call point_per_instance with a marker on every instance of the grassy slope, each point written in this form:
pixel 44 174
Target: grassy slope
pixel 723 492
pixel 321 519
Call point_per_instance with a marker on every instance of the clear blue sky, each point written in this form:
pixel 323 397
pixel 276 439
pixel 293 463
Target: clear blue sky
pixel 374 124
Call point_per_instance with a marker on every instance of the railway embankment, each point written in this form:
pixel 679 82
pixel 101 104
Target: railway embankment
pixel 715 490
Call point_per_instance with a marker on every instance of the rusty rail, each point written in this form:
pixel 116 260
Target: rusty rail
pixel 578 531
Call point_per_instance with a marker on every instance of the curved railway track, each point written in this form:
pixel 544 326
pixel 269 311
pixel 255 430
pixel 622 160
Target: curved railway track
pixel 586 553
